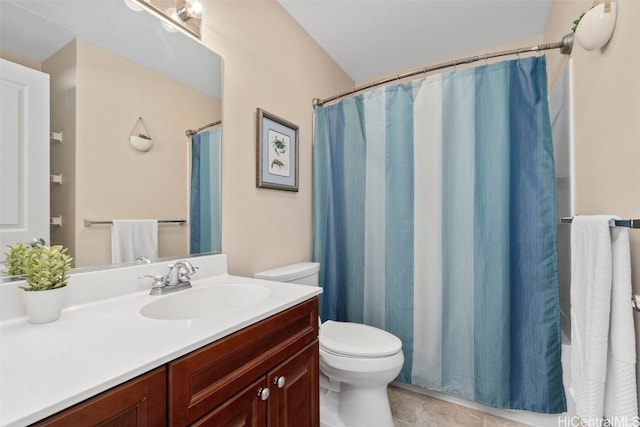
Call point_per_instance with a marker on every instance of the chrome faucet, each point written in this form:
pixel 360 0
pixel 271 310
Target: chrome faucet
pixel 176 279
pixel 179 273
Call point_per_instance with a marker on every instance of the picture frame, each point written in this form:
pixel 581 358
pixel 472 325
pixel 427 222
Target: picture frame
pixel 276 152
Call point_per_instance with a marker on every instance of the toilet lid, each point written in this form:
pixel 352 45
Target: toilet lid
pixel 357 340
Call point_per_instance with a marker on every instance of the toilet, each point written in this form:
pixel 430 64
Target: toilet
pixel 357 362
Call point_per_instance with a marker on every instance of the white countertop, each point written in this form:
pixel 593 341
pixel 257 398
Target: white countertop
pixel 97 345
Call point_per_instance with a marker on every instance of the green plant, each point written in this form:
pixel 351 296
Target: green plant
pixel 16 263
pixel 142 135
pixel 576 22
pixel 47 268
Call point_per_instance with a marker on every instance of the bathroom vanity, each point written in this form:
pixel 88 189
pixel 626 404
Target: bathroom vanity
pixel 104 362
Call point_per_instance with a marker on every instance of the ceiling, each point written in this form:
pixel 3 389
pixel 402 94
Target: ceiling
pixel 371 39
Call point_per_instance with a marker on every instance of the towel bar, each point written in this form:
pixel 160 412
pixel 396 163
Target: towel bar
pixel 89 223
pixel 628 223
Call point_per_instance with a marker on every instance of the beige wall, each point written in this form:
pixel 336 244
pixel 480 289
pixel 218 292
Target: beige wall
pixel 271 63
pixel 607 117
pixel 61 68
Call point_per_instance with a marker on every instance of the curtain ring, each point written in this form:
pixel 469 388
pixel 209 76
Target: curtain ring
pixel 486 62
pixel 454 65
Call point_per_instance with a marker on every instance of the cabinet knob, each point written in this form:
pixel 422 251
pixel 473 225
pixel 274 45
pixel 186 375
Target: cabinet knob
pixel 264 393
pixel 280 381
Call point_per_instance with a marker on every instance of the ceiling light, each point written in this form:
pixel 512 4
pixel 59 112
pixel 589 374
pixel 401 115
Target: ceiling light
pixel 133 5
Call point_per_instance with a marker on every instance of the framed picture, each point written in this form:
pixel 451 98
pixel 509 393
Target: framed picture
pixel 277 153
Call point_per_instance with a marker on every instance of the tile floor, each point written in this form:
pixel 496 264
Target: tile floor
pixel 411 409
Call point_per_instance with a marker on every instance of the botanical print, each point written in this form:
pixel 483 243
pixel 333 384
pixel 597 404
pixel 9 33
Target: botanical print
pixel 278 153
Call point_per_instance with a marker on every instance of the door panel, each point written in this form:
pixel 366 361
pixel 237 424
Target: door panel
pixel 294 401
pixel 24 155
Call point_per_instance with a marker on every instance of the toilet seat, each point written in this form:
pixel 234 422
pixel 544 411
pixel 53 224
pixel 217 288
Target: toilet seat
pixel 356 340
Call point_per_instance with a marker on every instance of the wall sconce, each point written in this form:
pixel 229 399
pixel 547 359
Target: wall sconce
pixel 186 14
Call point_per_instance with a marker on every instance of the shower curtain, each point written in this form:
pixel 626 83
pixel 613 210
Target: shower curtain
pixel 434 219
pixel 205 229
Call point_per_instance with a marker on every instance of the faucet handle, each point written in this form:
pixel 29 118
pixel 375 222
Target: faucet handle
pixel 158 281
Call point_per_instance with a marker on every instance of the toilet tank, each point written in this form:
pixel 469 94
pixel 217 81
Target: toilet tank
pixel 304 273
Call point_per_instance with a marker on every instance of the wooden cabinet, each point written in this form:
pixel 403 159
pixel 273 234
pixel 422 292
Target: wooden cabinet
pixel 139 402
pixel 224 383
pixel 263 375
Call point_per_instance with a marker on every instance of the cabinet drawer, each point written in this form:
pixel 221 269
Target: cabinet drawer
pixel 205 378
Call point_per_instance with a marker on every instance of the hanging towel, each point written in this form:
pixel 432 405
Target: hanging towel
pixel 590 307
pixel 602 352
pixel 132 238
pixel 620 396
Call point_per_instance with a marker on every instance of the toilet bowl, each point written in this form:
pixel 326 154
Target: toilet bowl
pixel 357 362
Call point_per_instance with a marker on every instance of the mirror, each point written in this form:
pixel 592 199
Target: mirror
pixel 109 66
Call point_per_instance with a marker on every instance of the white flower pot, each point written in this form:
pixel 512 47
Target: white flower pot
pixel 44 306
pixel 596 27
pixel 140 144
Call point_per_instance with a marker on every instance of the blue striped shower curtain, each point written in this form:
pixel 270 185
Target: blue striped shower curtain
pixel 205 227
pixel 434 219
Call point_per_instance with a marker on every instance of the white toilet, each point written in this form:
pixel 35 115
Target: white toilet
pixel 357 362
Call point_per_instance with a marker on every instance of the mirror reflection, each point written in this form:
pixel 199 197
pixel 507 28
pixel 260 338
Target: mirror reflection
pixel 110 83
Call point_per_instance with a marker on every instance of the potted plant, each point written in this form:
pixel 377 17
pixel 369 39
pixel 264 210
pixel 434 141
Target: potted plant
pixel 46 270
pixel 141 142
pixel 594 28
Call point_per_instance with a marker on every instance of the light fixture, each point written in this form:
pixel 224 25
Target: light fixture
pixel 175 15
pixel 190 9
pixel 133 5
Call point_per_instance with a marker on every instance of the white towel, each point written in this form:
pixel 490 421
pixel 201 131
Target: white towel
pixel 132 238
pixel 590 307
pixel 620 397
pixel 597 274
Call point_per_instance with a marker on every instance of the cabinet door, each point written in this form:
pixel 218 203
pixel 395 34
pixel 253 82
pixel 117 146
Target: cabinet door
pixel 139 402
pixel 294 400
pixel 245 409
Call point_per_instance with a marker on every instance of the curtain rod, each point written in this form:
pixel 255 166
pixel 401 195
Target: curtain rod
pixel 565 46
pixel 191 132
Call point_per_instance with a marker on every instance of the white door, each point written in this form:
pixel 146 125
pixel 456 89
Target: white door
pixel 24 155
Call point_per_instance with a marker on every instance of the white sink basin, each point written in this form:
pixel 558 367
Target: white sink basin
pixel 195 303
